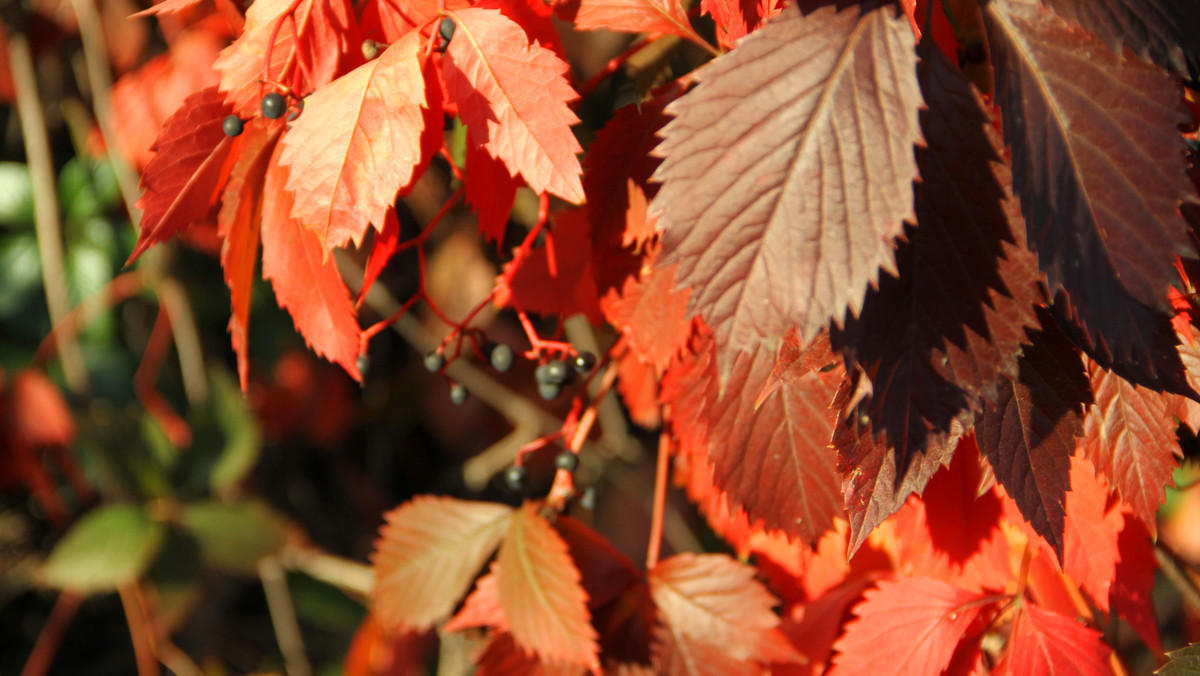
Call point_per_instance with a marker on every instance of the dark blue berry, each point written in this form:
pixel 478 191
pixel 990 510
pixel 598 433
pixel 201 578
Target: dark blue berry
pixel 233 125
pixel 273 106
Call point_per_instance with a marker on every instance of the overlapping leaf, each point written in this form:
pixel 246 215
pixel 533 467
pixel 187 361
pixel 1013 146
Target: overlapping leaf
pixel 908 626
pixel 540 592
pixel 788 172
pixel 358 143
pixel 1028 434
pixel 557 278
pixel 1044 643
pixel 305 277
pixel 711 600
pixel 490 190
pixel 936 340
pixel 1133 582
pixel 1127 436
pixel 1097 162
pixel 767 436
pixel 328 44
pixel 1090 538
pixel 184 179
pixel 452 537
pixel 632 16
pixel 1161 31
pixel 650 314
pixel 513 96
pixel 1183 662
pixel 238 225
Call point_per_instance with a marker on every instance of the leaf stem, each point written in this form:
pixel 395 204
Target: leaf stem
pixel 139 629
pixel 283 617
pixel 660 501
pixel 50 637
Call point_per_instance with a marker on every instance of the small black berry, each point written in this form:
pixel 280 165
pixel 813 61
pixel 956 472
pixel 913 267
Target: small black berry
pixel 273 106
pixel 556 372
pixel 233 125
pixel 458 394
pixel 434 361
pixel 549 391
pixel 514 477
pixel 584 362
pixel 566 460
pixel 501 357
pixel 446 29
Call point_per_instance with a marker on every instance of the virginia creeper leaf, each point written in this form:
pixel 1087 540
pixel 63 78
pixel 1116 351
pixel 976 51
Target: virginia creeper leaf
pixel 1028 434
pixel 908 626
pixel 382 249
pixel 1127 435
pixel 427 555
pixel 1182 662
pixel 490 189
pixel 541 595
pixel 736 18
pixel 557 278
pixel 503 657
pixel 328 44
pixel 191 163
pixel 482 607
pixel 650 313
pixel 1044 643
pixel 1133 582
pixel 1090 537
pixel 712 600
pixel 238 225
pixel 1160 31
pixel 110 546
pixel 788 172
pixel 631 16
pixel 1097 162
pixel 234 536
pixel 936 341
pixel 305 277
pixel 513 96
pixel 357 144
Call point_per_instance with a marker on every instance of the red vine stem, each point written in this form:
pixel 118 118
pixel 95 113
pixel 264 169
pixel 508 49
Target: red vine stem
pixel 50 638
pixel 139 629
pixel 576 433
pixel 660 501
pixel 123 286
pixel 266 76
pixel 176 428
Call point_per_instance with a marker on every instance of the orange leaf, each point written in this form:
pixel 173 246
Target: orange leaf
pixel 357 144
pixel 306 280
pixel 631 16
pixel 906 626
pixel 712 600
pixel 238 224
pixel 541 594
pixel 513 96
pixel 482 607
pixel 1044 643
pixel 428 553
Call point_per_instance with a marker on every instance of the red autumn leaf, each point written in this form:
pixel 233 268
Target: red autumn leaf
pixel 637 383
pixel 617 171
pixel 452 537
pixel 357 144
pixel 952 533
pixel 482 607
pixel 328 45
pixel 906 626
pixel 305 277
pixel 936 341
pixel 238 224
pixel 376 651
pixel 1126 438
pixel 767 231
pixel 1097 163
pixel 650 313
pixel 567 287
pixel 771 456
pixel 513 96
pixel 382 248
pixel 192 161
pixel 1028 435
pixel 37 415
pixel 1044 643
pixel 166 7
pixel 1133 582
pixel 490 190
pixel 736 18
pixel 1159 31
pixel 1090 550
pixel 814 626
pixel 631 16
pixel 541 595
pixel 503 657
pixel 710 604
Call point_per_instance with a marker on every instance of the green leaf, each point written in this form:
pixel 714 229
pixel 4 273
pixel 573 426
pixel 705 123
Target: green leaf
pixel 175 577
pixel 243 441
pixel 16 195
pixel 233 536
pixel 111 546
pixel 1184 662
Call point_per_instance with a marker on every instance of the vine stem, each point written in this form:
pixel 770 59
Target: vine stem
pixel 576 429
pixel 660 501
pixel 283 617
pixel 45 201
pixel 139 629
pixel 46 647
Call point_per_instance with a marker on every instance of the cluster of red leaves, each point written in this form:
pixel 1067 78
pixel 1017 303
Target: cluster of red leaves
pixel 1026 255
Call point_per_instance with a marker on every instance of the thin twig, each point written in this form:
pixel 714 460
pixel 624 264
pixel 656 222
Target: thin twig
pixel 662 467
pixel 283 617
pixel 350 576
pixel 48 640
pixel 187 340
pixel 45 203
pixel 139 630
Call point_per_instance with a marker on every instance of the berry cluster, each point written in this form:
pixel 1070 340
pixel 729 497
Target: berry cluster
pixel 273 106
pixel 554 374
